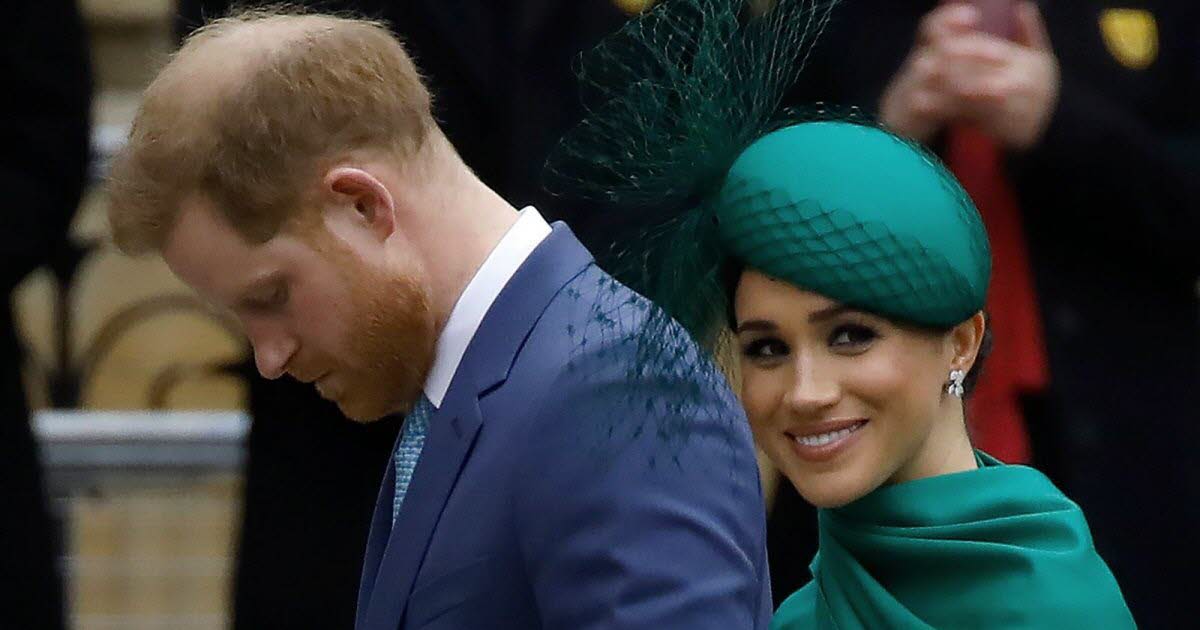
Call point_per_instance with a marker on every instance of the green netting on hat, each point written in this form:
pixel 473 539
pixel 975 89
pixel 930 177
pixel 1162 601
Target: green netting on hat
pixel 859 216
pixel 685 141
pixel 672 99
pixel 685 147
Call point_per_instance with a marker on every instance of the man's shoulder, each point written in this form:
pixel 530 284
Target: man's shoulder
pixel 601 350
pixel 595 313
pixel 598 333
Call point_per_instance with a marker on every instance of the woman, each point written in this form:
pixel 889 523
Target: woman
pixel 853 380
pixel 852 269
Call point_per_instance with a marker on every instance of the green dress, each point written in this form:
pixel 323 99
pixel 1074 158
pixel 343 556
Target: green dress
pixel 996 547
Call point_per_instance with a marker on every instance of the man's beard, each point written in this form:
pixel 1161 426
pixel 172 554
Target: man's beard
pixel 391 345
pixel 390 339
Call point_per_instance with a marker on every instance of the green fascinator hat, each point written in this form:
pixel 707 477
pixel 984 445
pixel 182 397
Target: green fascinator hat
pixel 685 147
pixel 859 216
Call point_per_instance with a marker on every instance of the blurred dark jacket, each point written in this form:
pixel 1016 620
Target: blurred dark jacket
pixel 44 113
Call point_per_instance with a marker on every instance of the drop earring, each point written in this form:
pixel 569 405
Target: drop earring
pixel 955 386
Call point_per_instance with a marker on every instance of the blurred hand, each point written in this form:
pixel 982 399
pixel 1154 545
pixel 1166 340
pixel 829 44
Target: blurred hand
pixel 1008 89
pixel 917 103
pixel 956 74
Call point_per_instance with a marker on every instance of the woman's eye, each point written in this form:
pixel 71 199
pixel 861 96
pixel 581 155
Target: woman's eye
pixel 852 337
pixel 765 349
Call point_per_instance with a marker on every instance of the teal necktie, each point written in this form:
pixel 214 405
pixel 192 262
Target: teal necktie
pixel 416 425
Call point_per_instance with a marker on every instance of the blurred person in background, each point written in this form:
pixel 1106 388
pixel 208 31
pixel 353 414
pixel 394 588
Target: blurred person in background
pixel 1074 128
pixel 500 70
pixel 342 277
pixel 44 117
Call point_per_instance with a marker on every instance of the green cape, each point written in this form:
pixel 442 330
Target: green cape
pixel 997 547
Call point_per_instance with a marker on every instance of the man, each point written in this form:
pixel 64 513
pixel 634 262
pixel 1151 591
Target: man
pixel 43 167
pixel 1091 106
pixel 550 472
pixel 505 93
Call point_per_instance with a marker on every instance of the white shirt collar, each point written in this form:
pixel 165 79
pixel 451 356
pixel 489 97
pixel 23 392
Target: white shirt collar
pixel 495 272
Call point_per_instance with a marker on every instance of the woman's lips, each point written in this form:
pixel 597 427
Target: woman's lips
pixel 822 442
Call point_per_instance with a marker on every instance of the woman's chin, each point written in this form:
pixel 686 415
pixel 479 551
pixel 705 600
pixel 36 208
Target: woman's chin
pixel 832 488
pixel 827 498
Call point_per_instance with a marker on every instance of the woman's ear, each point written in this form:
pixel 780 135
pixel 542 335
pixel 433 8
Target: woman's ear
pixel 965 341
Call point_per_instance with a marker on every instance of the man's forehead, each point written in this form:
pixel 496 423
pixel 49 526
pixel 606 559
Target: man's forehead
pixel 198 218
pixel 205 251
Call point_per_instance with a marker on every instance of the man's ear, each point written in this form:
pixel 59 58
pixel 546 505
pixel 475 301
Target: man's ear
pixel 371 200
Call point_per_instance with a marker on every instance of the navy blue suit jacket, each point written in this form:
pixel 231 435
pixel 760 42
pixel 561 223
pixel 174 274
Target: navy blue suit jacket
pixel 562 486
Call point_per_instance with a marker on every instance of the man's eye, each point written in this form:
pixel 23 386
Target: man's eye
pixel 274 300
pixel 279 296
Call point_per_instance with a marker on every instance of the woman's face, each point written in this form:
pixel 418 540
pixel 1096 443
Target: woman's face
pixel 844 401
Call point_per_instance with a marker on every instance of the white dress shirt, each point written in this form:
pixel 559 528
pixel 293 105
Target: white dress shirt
pixel 495 272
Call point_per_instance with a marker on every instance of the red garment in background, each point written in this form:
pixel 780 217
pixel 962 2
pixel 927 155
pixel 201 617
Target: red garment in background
pixel 1018 361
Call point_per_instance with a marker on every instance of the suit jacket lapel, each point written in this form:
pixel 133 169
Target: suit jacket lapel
pixel 452 431
pixel 377 539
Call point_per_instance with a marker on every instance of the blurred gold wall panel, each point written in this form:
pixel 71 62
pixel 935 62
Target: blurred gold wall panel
pixel 154 553
pixel 106 284
pixel 143 550
pixel 129 38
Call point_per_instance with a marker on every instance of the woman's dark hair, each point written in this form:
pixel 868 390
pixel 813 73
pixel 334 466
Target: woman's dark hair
pixel 732 275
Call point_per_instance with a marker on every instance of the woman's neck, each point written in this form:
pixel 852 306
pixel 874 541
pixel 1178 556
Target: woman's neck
pixel 947 449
